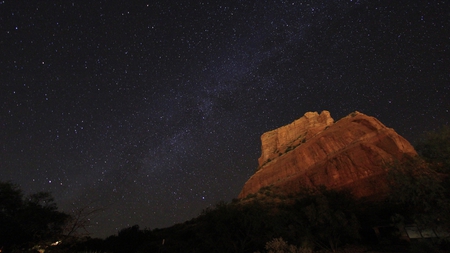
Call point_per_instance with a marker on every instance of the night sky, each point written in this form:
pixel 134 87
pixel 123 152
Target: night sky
pixel 153 110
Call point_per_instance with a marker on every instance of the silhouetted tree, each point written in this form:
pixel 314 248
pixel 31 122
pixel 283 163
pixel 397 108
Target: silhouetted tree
pixel 79 221
pixel 328 218
pixel 435 149
pixel 128 240
pixel 419 194
pixel 234 227
pixel 27 220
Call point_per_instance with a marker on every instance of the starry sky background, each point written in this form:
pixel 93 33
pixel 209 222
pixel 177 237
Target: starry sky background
pixel 153 110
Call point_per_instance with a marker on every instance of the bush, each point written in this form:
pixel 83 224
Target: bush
pixel 278 245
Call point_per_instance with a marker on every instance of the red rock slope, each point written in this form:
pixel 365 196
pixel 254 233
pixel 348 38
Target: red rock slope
pixel 314 151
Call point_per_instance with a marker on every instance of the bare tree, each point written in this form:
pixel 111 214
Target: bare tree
pixel 81 220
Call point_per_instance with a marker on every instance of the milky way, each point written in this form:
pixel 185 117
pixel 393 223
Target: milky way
pixel 152 110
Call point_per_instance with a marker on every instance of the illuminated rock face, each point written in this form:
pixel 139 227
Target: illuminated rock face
pixel 313 151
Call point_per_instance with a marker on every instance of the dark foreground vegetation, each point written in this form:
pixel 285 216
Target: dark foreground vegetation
pixel 319 220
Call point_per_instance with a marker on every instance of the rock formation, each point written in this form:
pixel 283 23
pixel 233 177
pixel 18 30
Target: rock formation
pixel 313 151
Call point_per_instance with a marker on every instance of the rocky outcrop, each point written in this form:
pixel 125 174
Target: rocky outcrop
pixel 281 140
pixel 313 151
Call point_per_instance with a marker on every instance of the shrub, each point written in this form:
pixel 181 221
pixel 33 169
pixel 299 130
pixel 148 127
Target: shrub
pixel 278 245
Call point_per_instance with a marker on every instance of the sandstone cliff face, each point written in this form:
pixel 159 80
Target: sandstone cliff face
pixel 313 151
pixel 285 138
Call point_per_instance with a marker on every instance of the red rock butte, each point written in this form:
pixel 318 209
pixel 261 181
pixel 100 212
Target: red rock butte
pixel 314 150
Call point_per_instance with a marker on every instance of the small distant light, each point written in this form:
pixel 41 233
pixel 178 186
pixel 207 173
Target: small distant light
pixel 55 243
